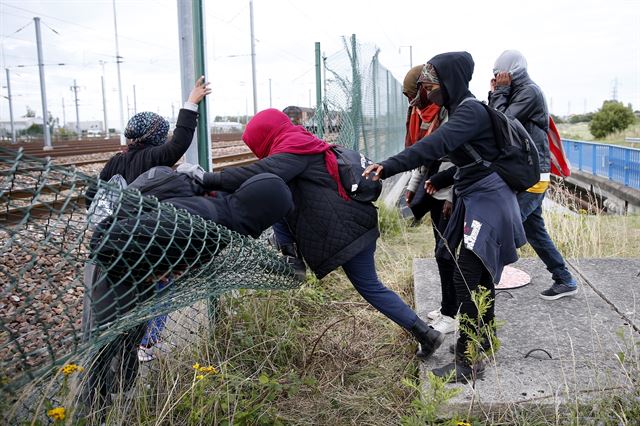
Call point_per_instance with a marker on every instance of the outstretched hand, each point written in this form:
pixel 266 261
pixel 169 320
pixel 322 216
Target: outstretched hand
pixel 200 90
pixel 374 170
pixel 429 188
pixel 194 171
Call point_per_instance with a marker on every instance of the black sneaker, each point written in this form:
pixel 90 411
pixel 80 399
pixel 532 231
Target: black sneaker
pixel 463 371
pixel 556 291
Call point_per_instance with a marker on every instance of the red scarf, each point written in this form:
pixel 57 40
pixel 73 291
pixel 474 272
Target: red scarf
pixel 271 132
pixel 415 132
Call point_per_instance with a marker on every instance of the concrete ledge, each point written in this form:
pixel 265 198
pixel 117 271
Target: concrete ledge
pixel 582 334
pixel 606 188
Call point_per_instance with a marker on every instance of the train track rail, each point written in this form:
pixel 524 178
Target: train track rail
pixel 61 200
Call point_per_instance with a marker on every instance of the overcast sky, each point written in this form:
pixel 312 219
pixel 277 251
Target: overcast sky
pixel 579 52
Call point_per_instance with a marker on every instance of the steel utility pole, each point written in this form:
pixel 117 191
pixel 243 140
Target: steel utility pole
pixel 43 90
pixel 123 140
pixel 75 88
pixel 253 60
pixel 104 103
pixel 13 129
pixel 135 101
pixel 104 109
pixel 64 115
pixel 410 54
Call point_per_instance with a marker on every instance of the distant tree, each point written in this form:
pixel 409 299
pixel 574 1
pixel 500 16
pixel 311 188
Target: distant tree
pixel 556 119
pixel 581 118
pixel 30 113
pixel 34 130
pixel 612 117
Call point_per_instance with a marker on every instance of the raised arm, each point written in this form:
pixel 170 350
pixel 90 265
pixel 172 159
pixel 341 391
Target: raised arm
pixel 169 153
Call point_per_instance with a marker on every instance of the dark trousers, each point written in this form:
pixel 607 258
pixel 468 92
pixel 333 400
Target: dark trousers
pixel 446 267
pixel 467 277
pixel 537 235
pixel 361 271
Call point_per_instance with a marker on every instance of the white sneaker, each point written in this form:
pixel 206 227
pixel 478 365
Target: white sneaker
pixel 145 354
pixel 445 324
pixel 434 315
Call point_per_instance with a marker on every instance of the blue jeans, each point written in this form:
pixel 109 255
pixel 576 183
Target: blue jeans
pixel 157 324
pixel 361 271
pixel 537 235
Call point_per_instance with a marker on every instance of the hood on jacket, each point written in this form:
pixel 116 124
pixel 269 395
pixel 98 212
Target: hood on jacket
pixel 260 202
pixel 513 62
pixel 455 70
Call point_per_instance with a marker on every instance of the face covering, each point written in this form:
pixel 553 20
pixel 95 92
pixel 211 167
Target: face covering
pixel 436 96
pixel 422 100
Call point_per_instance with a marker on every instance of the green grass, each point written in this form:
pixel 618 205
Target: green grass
pixel 322 355
pixel 580 131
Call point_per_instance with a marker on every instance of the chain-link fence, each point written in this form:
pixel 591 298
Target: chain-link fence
pixel 99 298
pixel 362 103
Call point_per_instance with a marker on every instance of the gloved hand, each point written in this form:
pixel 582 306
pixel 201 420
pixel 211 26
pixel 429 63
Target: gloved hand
pixel 194 171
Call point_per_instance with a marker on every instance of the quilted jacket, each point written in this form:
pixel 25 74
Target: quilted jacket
pixel 328 229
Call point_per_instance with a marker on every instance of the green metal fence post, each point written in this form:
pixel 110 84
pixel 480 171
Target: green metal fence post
pixel 319 116
pixel 356 97
pixel 199 57
pixel 387 142
pixel 375 106
pixel 194 24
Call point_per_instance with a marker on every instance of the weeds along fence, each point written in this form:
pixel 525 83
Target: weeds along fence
pixel 360 104
pixel 71 294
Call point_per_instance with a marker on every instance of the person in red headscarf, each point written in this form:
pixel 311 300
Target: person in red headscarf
pixel 326 227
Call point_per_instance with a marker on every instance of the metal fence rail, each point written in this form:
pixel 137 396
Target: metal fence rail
pixel 616 163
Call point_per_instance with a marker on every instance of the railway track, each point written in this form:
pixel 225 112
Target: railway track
pixel 61 200
pixel 93 146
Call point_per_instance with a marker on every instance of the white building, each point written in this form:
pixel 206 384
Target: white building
pixel 85 126
pixel 226 127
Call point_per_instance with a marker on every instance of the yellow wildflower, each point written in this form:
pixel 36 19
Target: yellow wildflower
pixel 209 370
pixel 199 377
pixel 463 424
pixel 70 369
pixel 56 413
pixel 196 366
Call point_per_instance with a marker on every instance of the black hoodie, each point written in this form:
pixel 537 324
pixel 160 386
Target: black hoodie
pixel 468 123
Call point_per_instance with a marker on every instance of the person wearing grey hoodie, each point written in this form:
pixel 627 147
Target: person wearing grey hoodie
pixel 514 93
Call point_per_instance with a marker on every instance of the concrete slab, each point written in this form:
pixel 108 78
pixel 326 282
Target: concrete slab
pixel 581 333
pixel 617 281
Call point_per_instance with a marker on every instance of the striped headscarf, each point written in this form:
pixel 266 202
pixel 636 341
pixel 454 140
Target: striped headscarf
pixel 147 128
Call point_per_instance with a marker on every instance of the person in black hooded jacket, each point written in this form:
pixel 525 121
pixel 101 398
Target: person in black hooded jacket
pixel 486 218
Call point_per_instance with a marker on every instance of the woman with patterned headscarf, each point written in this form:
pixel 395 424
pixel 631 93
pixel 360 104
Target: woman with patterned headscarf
pixel 148 146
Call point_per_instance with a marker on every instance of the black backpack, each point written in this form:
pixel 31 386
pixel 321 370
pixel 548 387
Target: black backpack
pixel 518 163
pixel 163 182
pixel 351 164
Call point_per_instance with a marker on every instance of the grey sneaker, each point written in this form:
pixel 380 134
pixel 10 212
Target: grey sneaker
pixel 556 291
